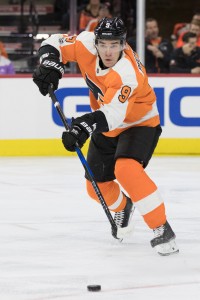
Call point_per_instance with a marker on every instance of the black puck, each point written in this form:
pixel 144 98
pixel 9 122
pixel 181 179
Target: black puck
pixel 94 288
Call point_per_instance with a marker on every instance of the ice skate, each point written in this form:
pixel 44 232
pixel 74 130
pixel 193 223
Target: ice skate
pixel 164 240
pixel 123 218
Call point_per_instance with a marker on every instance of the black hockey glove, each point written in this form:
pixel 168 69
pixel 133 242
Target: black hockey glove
pixel 82 128
pixel 49 71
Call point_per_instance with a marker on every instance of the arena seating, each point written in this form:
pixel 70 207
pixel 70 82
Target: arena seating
pixel 22 29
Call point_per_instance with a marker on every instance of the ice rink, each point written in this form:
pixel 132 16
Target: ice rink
pixel 55 240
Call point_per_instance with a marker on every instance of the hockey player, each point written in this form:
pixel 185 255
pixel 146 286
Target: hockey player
pixel 124 126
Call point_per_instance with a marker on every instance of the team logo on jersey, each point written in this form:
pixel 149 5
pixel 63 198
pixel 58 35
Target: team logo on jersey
pixel 97 92
pixel 61 40
pixel 71 39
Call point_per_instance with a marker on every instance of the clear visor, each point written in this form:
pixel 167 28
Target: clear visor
pixel 113 47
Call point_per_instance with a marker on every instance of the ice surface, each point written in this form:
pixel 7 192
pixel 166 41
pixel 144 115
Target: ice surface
pixel 54 240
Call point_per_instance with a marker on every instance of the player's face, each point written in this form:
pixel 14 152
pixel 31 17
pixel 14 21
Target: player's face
pixel 109 51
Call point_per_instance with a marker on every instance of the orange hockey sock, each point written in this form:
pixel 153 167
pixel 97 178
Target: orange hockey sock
pixel 142 190
pixel 111 193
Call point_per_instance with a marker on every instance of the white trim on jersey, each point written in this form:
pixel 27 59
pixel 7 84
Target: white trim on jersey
pixel 126 71
pixel 152 113
pixel 55 40
pixel 88 40
pixel 115 111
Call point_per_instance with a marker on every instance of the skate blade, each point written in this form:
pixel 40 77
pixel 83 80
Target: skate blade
pixel 167 249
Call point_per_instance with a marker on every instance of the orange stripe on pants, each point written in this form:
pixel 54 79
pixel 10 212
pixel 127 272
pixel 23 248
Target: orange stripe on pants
pixel 110 191
pixel 132 177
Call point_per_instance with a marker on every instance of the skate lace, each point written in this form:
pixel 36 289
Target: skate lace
pixel 119 217
pixel 159 231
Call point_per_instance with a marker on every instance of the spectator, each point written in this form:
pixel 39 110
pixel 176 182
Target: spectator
pixel 91 11
pixel 104 11
pixel 186 59
pixel 6 66
pixel 194 28
pixel 157 49
pixel 196 16
pixel 3 50
pixel 180 28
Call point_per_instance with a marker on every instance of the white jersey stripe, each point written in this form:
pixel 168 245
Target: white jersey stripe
pixel 109 113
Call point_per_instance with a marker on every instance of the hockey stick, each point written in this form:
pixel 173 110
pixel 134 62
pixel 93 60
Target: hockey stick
pixel 85 165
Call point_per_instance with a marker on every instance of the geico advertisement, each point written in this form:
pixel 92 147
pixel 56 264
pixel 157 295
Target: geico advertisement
pixel 26 114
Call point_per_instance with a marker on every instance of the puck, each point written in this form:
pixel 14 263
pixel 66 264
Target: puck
pixel 94 288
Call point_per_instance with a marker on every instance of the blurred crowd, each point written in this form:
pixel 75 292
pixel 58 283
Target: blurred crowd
pixel 178 54
pixel 6 65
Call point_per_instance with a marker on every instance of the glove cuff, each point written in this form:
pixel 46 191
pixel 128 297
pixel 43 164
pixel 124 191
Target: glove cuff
pixel 92 122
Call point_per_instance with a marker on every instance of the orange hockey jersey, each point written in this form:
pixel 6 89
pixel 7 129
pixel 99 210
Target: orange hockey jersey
pixel 122 92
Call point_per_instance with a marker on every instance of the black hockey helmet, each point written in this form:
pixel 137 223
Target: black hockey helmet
pixel 110 29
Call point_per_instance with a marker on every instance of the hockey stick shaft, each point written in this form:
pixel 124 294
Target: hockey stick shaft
pixel 84 163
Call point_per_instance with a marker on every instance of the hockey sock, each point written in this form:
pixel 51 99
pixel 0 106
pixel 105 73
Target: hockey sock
pixel 142 191
pixel 110 190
